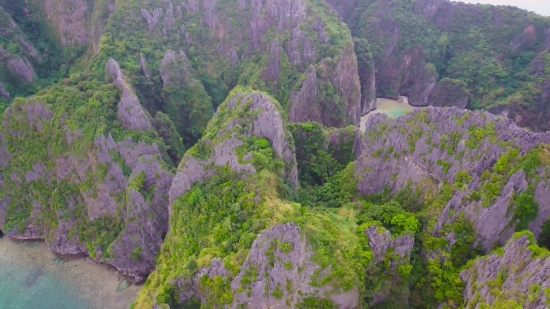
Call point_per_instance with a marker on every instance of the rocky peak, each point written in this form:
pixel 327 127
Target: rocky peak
pixel 174 68
pixel 516 275
pixel 18 66
pixel 431 147
pixel 226 132
pixel 131 114
pixel 69 18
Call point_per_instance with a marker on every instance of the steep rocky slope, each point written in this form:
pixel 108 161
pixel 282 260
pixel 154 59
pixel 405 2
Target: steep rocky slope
pixel 278 200
pixel 493 54
pixel 299 52
pixel 16 67
pixel 252 257
pixel 84 177
pixel 488 164
pixel 511 277
pixel 86 162
pixel 471 177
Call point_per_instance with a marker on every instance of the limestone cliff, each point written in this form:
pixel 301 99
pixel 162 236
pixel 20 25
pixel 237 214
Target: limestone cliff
pixel 513 276
pixel 244 160
pixel 69 19
pixel 226 135
pixel 395 251
pixel 74 175
pixel 266 270
pixel 15 61
pixel 488 164
pixel 275 47
pixel 10 31
pixel 486 50
pixel 449 92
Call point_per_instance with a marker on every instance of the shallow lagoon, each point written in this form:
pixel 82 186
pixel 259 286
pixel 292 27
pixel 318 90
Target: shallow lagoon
pixel 31 276
pixel 392 108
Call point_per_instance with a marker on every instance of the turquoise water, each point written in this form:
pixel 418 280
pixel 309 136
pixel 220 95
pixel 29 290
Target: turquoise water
pixel 27 286
pixel 31 276
pixel 389 107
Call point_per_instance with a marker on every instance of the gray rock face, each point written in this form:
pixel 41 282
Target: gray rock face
pixel 367 75
pixel 143 64
pixel 307 105
pixel 99 20
pixel 174 68
pixel 347 81
pixel 131 114
pixel 302 108
pixel 4 93
pixel 108 194
pixel 266 272
pixel 10 31
pixel 18 66
pixel 271 73
pixel 429 147
pixel 380 242
pixel 148 219
pixel 519 276
pixel 69 19
pixel 423 86
pixel 266 124
pixel 449 92
pixel 269 125
pixel 271 275
pixel 237 33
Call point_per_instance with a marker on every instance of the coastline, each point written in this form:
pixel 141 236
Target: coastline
pixel 96 284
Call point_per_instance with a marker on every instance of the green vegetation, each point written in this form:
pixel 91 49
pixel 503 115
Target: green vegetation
pixel 324 169
pixel 487 51
pixel 82 104
pixel 218 219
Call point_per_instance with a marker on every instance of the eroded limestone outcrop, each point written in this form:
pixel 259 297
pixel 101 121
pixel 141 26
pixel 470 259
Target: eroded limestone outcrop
pixel 106 198
pixel 513 276
pixel 4 93
pixel 486 160
pixel 69 19
pixel 406 37
pixel 396 250
pixel 18 66
pixel 280 254
pixel 131 113
pixel 299 43
pixel 263 120
pixel 449 92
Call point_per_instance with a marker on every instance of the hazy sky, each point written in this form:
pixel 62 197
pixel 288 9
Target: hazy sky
pixel 540 6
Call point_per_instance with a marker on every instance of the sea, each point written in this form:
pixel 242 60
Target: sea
pixel 31 276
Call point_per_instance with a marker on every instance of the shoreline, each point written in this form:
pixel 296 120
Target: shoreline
pixel 384 106
pixel 95 283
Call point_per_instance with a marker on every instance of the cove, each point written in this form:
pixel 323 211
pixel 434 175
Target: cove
pixel 390 107
pixel 31 276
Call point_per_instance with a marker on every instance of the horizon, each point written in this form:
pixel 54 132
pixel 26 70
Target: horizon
pixel 541 7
